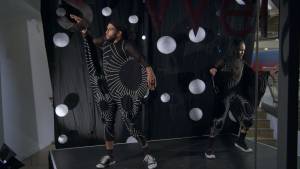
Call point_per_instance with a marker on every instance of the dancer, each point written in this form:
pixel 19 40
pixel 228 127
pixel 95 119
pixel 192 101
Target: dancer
pixel 110 99
pixel 235 81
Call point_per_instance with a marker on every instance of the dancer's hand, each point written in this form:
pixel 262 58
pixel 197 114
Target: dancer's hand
pixel 213 71
pixel 151 79
pixel 80 24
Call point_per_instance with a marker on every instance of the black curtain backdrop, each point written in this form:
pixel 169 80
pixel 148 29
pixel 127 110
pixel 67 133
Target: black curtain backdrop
pixel 222 21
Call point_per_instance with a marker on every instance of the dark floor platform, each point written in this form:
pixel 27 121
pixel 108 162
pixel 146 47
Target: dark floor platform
pixel 183 153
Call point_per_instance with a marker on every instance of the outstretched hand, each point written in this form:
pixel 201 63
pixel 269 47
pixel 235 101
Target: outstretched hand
pixel 80 23
pixel 151 79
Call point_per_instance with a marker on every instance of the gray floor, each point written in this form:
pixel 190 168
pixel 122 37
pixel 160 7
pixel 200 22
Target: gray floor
pixel 39 160
pixel 183 153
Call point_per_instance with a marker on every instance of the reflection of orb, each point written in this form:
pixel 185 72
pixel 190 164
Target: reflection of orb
pixel 240 2
pixel 60 12
pixel 106 11
pixel 61 39
pixel 196 114
pixel 197 86
pixel 133 19
pixel 131 140
pixel 144 37
pixel 62 139
pixel 165 97
pixel 61 110
pixel 218 13
pixel 199 36
pixel 231 117
pixel 166 44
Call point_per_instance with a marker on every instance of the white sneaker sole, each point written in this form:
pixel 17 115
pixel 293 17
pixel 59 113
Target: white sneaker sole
pixel 103 166
pixel 152 166
pixel 210 156
pixel 241 148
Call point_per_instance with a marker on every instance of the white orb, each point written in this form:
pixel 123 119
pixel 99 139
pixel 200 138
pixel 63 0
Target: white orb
pixel 61 39
pixel 106 11
pixel 166 44
pixel 199 36
pixel 60 12
pixel 197 86
pixel 144 37
pixel 231 117
pixel 133 19
pixel 62 139
pixel 131 140
pixel 196 114
pixel 240 2
pixel 61 110
pixel 165 97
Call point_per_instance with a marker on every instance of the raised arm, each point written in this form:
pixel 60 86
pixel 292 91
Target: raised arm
pixel 82 26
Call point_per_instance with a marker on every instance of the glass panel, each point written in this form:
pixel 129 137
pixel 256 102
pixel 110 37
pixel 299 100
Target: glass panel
pixel 267 53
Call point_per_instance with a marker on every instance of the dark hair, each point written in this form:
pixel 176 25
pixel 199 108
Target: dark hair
pixel 235 47
pixel 120 27
pixel 237 42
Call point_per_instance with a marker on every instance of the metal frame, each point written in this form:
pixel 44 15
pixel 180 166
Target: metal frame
pixel 288 85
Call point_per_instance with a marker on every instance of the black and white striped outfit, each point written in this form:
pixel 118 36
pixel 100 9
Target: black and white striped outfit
pixel 236 82
pixel 110 94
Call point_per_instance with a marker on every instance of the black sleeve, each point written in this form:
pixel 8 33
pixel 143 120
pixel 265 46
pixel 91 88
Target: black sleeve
pixel 248 83
pixel 98 42
pixel 132 51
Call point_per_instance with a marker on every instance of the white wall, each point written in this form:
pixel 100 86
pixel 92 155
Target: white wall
pixel 27 115
pixel 41 82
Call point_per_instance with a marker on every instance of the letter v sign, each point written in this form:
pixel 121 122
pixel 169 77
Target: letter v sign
pixel 195 13
pixel 157 17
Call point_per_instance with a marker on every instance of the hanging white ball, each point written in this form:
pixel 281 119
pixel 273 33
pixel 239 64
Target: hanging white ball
pixel 131 140
pixel 231 117
pixel 197 86
pixel 166 44
pixel 106 11
pixel 165 97
pixel 61 110
pixel 199 36
pixel 196 114
pixel 240 2
pixel 62 139
pixel 61 39
pixel 60 12
pixel 144 37
pixel 133 19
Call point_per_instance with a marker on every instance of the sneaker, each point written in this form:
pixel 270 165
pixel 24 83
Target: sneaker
pixel 150 161
pixel 210 154
pixel 242 146
pixel 105 161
